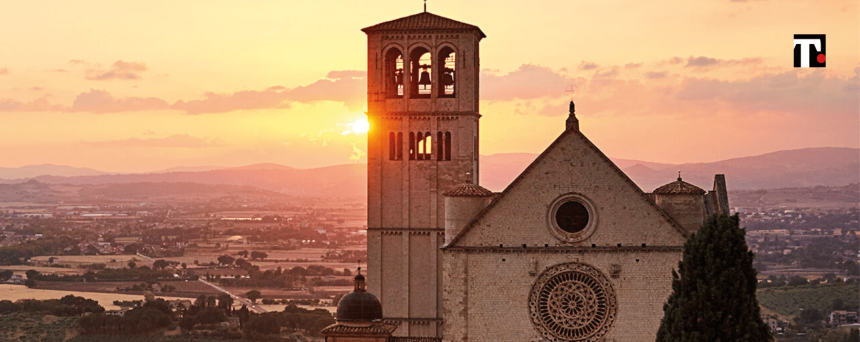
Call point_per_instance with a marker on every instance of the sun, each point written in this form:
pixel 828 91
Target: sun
pixel 361 126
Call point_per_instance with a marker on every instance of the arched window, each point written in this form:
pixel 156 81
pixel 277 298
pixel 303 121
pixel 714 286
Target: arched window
pixel 392 148
pixel 447 67
pixel 399 145
pixel 420 75
pixel 440 148
pixel 447 145
pixel 419 138
pixel 412 150
pixel 428 146
pixel 394 73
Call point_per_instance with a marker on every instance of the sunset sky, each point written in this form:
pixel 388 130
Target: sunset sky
pixel 135 86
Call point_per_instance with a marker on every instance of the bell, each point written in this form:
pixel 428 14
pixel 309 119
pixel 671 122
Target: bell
pixel 447 79
pixel 398 77
pixel 425 78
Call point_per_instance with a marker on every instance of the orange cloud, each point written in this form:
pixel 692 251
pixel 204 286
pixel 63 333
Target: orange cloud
pixel 529 81
pixel 119 71
pixel 100 101
pixel 347 86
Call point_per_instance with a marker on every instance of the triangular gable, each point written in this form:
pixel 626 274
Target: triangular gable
pixel 572 163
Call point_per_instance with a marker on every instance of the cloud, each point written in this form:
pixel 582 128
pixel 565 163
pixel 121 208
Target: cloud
pixel 655 75
pixel 606 93
pixel 173 141
pixel 338 74
pixel 587 65
pixel 37 88
pixel 4 71
pixel 701 61
pixel 343 86
pixel 100 101
pixel 813 93
pixel 529 81
pixel 38 105
pixel 632 65
pixel 704 63
pixel 118 71
pixel 221 103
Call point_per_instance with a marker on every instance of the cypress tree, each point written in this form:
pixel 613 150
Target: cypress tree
pixel 713 292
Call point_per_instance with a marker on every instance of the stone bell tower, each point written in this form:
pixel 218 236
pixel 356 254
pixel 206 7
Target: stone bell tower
pixel 422 105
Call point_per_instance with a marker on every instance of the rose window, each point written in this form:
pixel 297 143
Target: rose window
pixel 572 302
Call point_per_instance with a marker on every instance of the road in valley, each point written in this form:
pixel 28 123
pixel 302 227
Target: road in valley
pixel 248 303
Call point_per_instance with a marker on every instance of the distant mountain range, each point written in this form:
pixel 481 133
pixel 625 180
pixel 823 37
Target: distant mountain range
pixel 783 169
pixel 826 166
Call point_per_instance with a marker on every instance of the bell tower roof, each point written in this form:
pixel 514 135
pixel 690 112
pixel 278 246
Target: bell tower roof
pixel 424 21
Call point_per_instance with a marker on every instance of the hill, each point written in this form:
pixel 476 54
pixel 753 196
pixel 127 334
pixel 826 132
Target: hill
pixel 783 169
pixel 802 168
pixel 346 180
pixel 31 171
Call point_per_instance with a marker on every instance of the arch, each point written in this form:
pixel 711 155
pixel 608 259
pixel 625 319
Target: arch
pixel 399 145
pixel 392 152
pixel 446 67
pixel 419 139
pixel 393 74
pixel 440 149
pixel 412 146
pixel 428 146
pixel 420 72
pixel 447 145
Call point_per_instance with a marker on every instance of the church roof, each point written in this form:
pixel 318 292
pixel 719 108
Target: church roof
pixel 359 305
pixel 537 160
pixel 679 187
pixel 424 21
pixel 468 190
pixel 374 329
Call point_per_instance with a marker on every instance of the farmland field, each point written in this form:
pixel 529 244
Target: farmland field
pixel 80 260
pixel 21 269
pixel 16 292
pixel 789 300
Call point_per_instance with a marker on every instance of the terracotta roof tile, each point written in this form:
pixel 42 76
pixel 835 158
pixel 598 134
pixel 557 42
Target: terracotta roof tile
pixel 374 329
pixel 679 187
pixel 424 21
pixel 468 190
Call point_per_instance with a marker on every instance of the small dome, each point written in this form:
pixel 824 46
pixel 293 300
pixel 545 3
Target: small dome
pixel 468 190
pixel 359 306
pixel 679 187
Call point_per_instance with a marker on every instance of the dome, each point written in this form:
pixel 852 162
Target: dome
pixel 359 306
pixel 469 190
pixel 236 238
pixel 679 187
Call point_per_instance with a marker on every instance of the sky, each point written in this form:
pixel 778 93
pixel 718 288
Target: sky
pixel 137 86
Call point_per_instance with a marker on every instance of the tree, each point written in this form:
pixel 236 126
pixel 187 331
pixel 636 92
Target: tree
pixel 132 264
pixel 6 274
pixel 253 295
pixel 31 283
pixel 265 324
pixel 713 292
pixel 184 265
pixel 258 255
pixel 225 260
pixel 160 264
pixel 243 253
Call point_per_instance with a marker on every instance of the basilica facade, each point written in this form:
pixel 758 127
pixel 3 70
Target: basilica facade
pixel 571 250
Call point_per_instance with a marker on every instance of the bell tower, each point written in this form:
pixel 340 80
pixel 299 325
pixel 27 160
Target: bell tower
pixel 422 105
